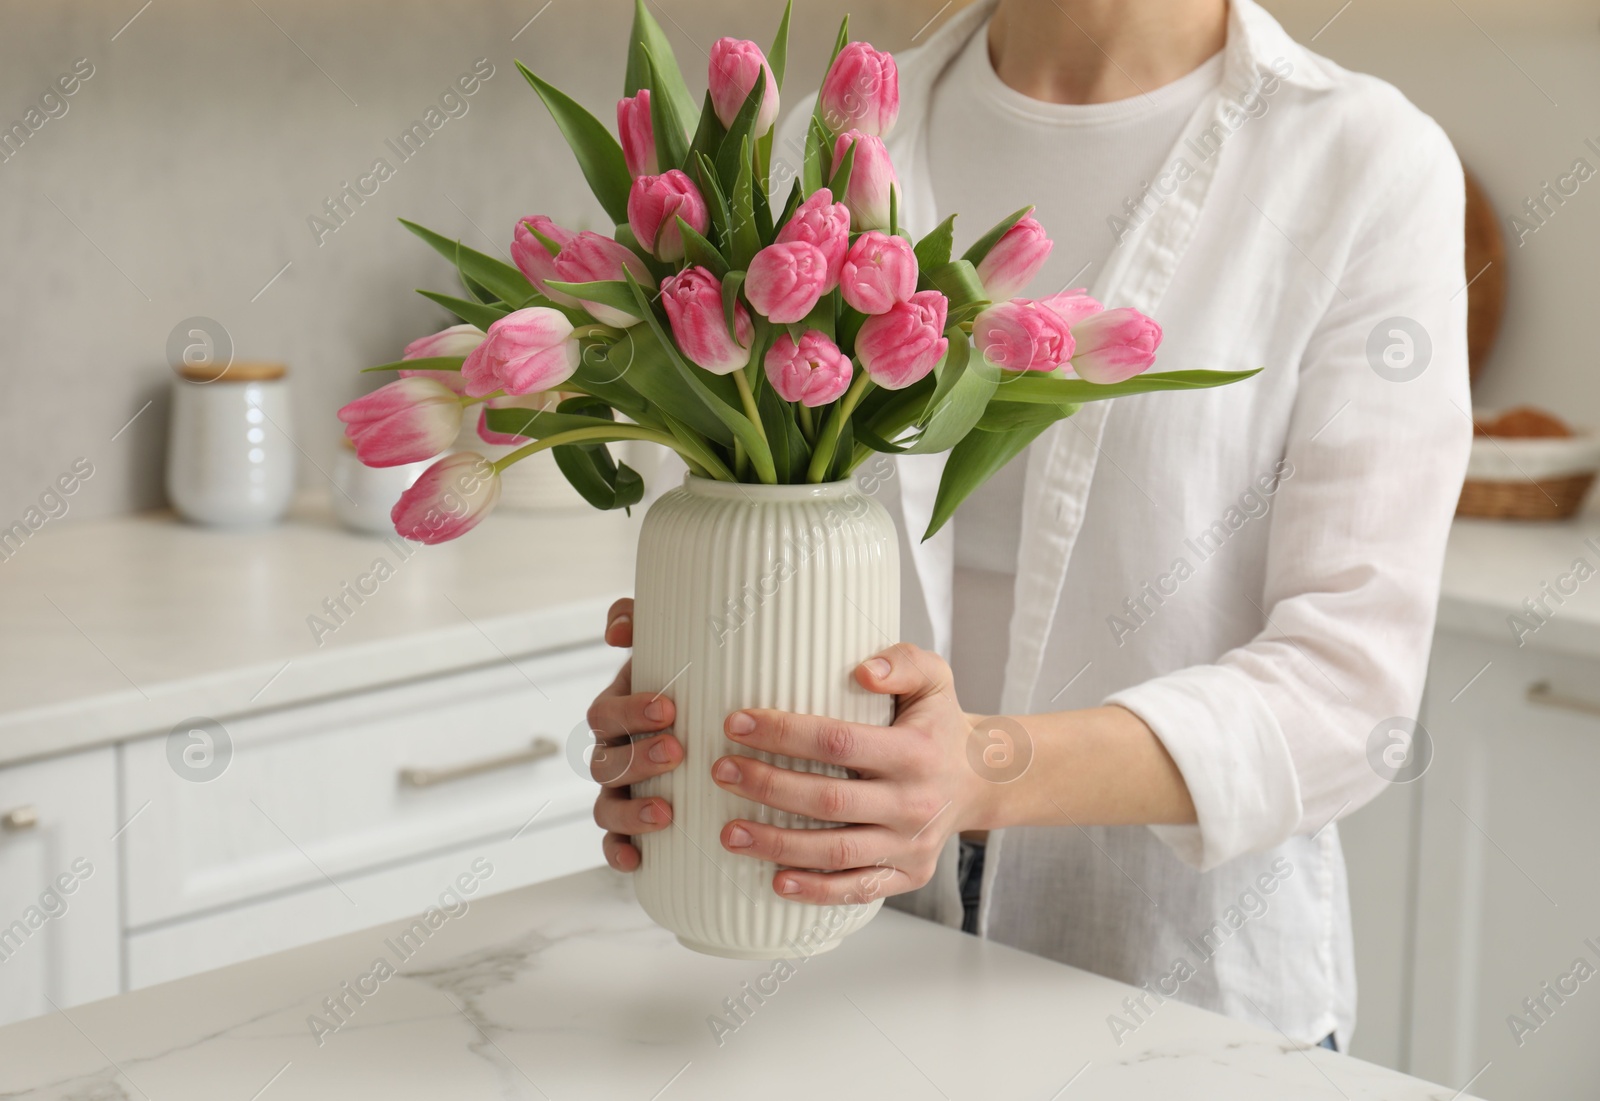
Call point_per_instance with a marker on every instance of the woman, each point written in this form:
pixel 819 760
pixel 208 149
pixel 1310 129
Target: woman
pixel 1193 612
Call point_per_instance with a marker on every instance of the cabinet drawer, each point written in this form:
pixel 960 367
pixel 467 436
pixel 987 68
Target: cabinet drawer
pixel 314 794
pixel 59 939
pixel 186 946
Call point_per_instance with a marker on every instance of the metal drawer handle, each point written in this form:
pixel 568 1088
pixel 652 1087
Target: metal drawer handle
pixel 431 777
pixel 1542 694
pixel 19 819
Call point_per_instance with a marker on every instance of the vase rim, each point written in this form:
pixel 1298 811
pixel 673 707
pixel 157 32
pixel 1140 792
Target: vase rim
pixel 756 491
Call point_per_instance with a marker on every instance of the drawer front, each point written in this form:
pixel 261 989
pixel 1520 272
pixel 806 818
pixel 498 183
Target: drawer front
pixel 187 946
pixel 59 939
pixel 311 795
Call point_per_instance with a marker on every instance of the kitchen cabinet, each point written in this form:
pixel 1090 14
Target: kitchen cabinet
pixel 1507 950
pixel 60 942
pixel 352 811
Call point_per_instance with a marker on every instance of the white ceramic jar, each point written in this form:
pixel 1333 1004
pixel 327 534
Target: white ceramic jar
pixel 230 458
pixel 753 596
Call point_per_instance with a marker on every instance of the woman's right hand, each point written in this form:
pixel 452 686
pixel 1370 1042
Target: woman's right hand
pixel 619 760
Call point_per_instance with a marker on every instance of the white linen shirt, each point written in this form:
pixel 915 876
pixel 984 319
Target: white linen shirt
pixel 1252 570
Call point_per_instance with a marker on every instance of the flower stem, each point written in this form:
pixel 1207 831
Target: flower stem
pixel 808 426
pixel 750 409
pixel 822 458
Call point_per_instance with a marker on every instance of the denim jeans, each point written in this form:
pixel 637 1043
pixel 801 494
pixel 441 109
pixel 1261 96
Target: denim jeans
pixel 969 873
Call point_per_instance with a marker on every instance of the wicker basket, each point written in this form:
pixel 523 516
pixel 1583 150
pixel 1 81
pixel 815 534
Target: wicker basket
pixel 1550 499
pixel 1529 479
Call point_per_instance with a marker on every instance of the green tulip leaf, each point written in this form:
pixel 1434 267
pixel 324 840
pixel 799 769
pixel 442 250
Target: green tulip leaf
pixel 597 151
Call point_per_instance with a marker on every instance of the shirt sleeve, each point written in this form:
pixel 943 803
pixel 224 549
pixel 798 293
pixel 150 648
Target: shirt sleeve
pixel 1273 738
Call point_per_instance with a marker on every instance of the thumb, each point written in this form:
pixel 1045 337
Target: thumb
pixel 906 670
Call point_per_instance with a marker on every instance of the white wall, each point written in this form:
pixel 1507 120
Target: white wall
pixel 1517 87
pixel 186 167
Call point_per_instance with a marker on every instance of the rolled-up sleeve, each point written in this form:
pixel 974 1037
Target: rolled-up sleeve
pixel 1272 738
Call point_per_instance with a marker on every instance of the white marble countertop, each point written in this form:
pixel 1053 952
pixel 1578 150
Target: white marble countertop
pixel 567 990
pixel 1493 566
pixel 123 627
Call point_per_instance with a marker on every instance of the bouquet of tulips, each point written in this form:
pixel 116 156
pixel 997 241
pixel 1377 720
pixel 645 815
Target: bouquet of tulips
pixel 762 339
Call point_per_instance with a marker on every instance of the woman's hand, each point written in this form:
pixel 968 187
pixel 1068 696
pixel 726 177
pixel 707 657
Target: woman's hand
pixel 618 761
pixel 915 786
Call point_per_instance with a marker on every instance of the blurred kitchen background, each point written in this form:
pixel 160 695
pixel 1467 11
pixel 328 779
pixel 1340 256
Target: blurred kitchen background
pixel 181 180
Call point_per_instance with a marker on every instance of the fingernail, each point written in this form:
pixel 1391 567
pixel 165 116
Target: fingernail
pixel 659 753
pixel 741 722
pixel 878 667
pixel 726 771
pixel 789 887
pixel 739 838
pixel 655 710
pixel 620 621
pixel 648 813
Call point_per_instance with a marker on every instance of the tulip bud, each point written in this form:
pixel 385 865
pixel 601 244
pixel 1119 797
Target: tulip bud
pixel 406 421
pixel 812 371
pixel 861 91
pixel 1072 306
pixel 1014 260
pixel 693 300
pixel 655 203
pixel 879 271
pixel 1022 335
pixel 448 500
pixel 872 179
pixel 785 281
pixel 536 261
pixel 822 222
pixel 735 66
pixel 901 346
pixel 592 257
pixel 457 340
pixel 1114 345
pixel 526 351
pixel 638 137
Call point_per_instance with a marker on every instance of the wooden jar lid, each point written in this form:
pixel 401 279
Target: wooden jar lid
pixel 240 370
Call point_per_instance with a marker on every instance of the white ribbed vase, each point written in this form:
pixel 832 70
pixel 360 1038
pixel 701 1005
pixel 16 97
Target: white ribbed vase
pixel 754 596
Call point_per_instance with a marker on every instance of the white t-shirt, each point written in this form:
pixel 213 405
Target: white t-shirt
pixel 993 150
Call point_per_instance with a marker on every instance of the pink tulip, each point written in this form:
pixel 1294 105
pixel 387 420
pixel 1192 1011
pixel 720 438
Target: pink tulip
pixel 879 271
pixel 785 281
pixel 1022 335
pixel 408 420
pixel 536 261
pixel 457 340
pixel 898 348
pixel 1015 259
pixel 1115 345
pixel 822 222
pixel 872 179
pixel 638 136
pixel 735 66
pixel 693 299
pixel 526 351
pixel 654 205
pixel 448 500
pixel 592 257
pixel 1072 306
pixel 812 371
pixel 861 91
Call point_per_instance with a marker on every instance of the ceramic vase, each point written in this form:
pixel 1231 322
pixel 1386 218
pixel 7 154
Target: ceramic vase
pixel 754 596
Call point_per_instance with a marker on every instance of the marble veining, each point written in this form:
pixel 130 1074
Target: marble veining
pixel 567 990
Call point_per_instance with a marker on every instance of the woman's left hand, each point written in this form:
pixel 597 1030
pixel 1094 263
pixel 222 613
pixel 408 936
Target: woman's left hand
pixel 915 786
